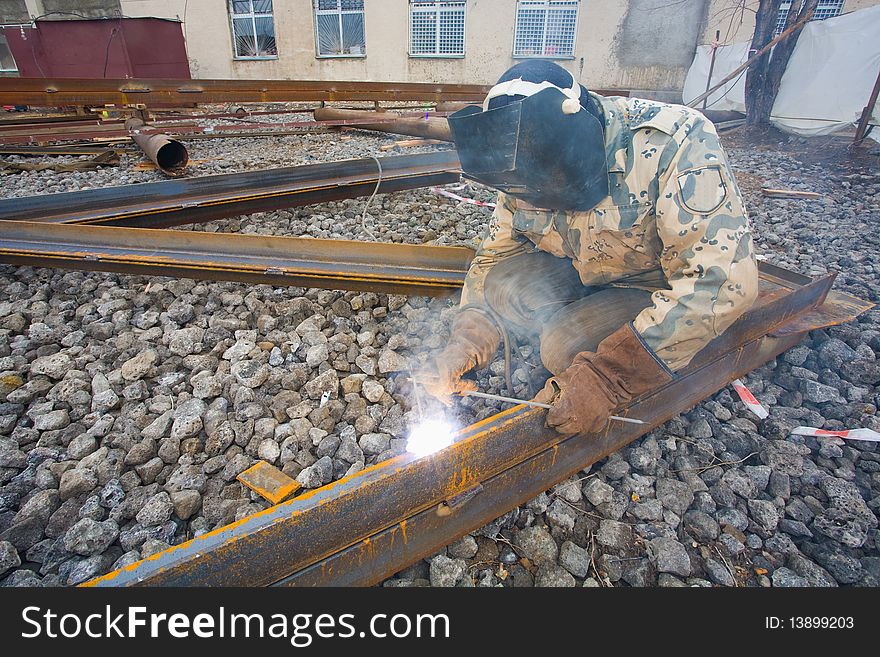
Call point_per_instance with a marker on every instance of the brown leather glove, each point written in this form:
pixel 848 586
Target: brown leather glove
pixel 597 384
pixel 472 344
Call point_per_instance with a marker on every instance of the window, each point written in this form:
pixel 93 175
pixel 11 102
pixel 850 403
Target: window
pixel 545 28
pixel 253 29
pixel 7 63
pixel 825 9
pixel 339 27
pixel 436 28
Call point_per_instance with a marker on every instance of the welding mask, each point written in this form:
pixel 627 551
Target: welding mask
pixel 532 150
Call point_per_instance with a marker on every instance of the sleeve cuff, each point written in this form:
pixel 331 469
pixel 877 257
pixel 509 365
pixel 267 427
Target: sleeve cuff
pixel 654 355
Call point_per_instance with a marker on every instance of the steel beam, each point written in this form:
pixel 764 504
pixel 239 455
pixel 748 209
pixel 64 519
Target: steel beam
pixel 56 92
pixel 365 527
pixel 194 200
pixel 301 262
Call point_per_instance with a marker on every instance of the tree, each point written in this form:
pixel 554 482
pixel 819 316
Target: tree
pixel 765 73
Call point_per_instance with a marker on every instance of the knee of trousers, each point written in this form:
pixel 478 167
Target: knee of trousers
pixel 582 325
pixel 527 289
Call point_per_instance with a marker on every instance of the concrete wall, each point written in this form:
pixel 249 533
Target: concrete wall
pixel 13 11
pixel 88 8
pixel 616 44
pixel 737 26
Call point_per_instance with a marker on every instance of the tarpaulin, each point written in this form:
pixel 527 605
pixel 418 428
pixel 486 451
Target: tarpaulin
pixel 826 85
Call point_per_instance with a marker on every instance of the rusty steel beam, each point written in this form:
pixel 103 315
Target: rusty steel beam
pixel 296 261
pixel 365 527
pixel 430 127
pixel 195 200
pixel 56 92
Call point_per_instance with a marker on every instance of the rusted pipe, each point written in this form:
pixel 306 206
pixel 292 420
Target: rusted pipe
pixel 434 127
pixel 166 153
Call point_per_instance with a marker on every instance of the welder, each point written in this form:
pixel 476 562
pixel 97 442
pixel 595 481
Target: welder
pixel 619 242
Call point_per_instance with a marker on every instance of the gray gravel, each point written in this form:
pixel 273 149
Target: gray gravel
pixel 128 404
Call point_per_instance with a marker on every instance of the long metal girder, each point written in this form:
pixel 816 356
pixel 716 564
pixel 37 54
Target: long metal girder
pixel 363 528
pixel 194 200
pixel 297 261
pixel 55 92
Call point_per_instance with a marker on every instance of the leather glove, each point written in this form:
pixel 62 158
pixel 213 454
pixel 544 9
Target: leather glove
pixel 598 383
pixel 472 344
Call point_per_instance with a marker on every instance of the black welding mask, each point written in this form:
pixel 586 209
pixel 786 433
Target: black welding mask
pixel 531 149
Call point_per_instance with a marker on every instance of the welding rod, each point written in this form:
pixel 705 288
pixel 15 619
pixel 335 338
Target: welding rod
pixel 512 400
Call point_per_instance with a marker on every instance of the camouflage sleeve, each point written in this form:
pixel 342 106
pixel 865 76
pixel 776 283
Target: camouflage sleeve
pixel 707 252
pixel 499 243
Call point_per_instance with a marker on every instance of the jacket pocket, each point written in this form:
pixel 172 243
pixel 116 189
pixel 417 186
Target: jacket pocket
pixel 622 240
pixel 540 227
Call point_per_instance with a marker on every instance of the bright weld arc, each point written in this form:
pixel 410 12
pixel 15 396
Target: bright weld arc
pixel 430 436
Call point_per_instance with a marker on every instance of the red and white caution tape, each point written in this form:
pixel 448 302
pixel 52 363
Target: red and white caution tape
pixel 749 399
pixel 852 434
pixel 448 194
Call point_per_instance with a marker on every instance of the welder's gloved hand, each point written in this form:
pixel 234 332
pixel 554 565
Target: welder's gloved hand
pixel 472 344
pixel 598 383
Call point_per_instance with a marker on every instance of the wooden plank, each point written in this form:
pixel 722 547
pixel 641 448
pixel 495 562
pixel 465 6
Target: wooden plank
pixel 788 193
pixel 269 482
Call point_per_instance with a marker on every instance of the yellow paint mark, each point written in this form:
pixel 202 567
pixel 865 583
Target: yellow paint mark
pixel 403 530
pixel 11 382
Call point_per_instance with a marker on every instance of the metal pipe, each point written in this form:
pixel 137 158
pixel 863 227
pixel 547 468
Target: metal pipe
pixel 166 153
pixel 432 127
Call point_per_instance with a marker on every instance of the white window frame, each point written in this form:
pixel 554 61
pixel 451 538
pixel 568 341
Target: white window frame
pixel 823 10
pixel 8 70
pixel 438 7
pixel 548 6
pixel 253 16
pixel 339 11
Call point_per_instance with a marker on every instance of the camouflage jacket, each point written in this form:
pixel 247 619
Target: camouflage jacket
pixel 673 224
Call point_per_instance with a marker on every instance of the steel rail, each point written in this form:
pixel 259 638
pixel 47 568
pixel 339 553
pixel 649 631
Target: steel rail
pixel 55 92
pixel 365 527
pixel 296 261
pixel 201 199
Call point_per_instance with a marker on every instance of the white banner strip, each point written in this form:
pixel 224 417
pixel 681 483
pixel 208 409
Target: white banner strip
pixel 749 399
pixel 852 434
pixel 448 194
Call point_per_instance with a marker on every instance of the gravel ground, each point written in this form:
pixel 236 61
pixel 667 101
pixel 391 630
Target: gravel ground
pixel 128 404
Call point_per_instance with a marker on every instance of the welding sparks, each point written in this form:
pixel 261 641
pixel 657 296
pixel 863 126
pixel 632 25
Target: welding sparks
pixel 430 436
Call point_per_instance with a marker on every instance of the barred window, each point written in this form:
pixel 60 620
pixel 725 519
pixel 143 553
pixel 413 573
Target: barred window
pixel 436 28
pixel 7 63
pixel 545 28
pixel 253 29
pixel 339 28
pixel 825 9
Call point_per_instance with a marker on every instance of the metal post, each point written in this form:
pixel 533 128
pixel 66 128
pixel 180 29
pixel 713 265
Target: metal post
pixel 712 65
pixel 862 130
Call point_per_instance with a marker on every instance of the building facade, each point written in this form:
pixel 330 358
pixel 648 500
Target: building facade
pixel 640 45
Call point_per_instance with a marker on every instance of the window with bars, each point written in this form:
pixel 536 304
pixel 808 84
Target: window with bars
pixel 339 28
pixel 436 28
pixel 253 29
pixel 7 62
pixel 825 9
pixel 545 28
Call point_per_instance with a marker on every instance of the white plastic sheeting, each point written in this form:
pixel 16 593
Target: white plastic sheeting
pixel 826 85
pixel 730 97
